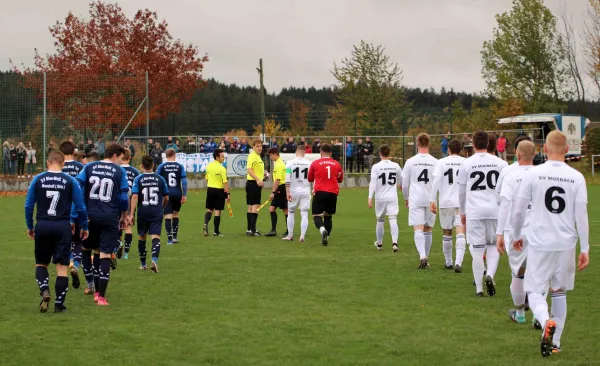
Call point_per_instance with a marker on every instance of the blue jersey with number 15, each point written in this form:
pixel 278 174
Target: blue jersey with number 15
pixel 150 188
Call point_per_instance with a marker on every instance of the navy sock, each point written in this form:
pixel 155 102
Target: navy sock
pixel 104 275
pixel 254 220
pixel 96 266
pixel 86 264
pixel 142 251
pixel 41 276
pixel 168 227
pixel 249 219
pixel 286 217
pixel 217 224
pixel 328 224
pixel 155 249
pixel 128 240
pixel 77 252
pixel 273 221
pixel 175 227
pixel 318 222
pixel 60 288
pixel 207 218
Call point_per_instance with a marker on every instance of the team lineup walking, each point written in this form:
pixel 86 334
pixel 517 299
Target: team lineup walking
pixel 534 215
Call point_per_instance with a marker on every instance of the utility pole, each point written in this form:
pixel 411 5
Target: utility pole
pixel 262 96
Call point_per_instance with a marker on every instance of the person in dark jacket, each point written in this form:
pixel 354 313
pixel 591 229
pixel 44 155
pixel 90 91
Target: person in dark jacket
pixel 13 158
pixel 316 145
pixel 368 149
pixel 156 154
pixel 290 147
pixel 360 157
pixel 21 155
pixel 350 154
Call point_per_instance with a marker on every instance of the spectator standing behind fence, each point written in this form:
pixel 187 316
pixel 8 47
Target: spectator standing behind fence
pixel 171 145
pixel 316 145
pixel 502 144
pixel 81 146
pixel 235 146
pixel 21 156
pixel 467 145
pixel 100 147
pixel 290 147
pixel 156 154
pixel 244 148
pixel 227 143
pixel 274 142
pixel 150 146
pixel 30 160
pixel 360 156
pixel 444 146
pixel 368 148
pixel 89 147
pixel 350 154
pixel 13 158
pixel 131 148
pixel 210 146
pixel 337 150
pixel 6 158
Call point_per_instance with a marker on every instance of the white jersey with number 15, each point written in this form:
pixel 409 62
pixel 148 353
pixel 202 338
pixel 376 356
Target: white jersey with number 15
pixel 386 176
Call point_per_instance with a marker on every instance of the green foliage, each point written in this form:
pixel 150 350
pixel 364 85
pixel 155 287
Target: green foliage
pixel 592 141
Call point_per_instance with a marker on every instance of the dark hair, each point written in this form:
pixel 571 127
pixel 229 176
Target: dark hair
pixel 492 142
pixel 455 146
pixel 114 149
pixel 521 138
pixel 93 156
pixel 56 157
pixel 384 150
pixel 480 140
pixel 217 153
pixel 273 151
pixel 67 148
pixel 170 153
pixel 147 162
pixel 326 148
pixel 423 140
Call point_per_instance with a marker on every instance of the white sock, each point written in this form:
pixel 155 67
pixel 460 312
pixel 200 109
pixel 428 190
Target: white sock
pixel 461 246
pixel 303 223
pixel 559 314
pixel 539 307
pixel 291 221
pixel 428 241
pixel 379 231
pixel 492 259
pixel 478 266
pixel 447 247
pixel 394 229
pixel 420 243
pixel 518 294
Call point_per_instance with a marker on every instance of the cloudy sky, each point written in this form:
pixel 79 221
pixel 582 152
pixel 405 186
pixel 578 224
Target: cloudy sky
pixel 435 42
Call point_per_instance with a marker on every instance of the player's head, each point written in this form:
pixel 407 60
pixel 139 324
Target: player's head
pixel 67 148
pixel 521 138
pixel 257 146
pixel 171 155
pixel 384 151
pixel 556 144
pixel 301 150
pixel 55 161
pixel 454 146
pixel 274 153
pixel 480 140
pixel 114 152
pixel 126 156
pixel 492 142
pixel 219 155
pixel 78 157
pixel 147 163
pixel 423 141
pixel 326 150
pixel 525 152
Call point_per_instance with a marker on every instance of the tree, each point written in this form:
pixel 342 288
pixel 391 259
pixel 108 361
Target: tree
pixel 272 128
pixel 298 115
pixel 369 82
pixel 591 40
pixel 526 59
pixel 96 74
pixel 569 41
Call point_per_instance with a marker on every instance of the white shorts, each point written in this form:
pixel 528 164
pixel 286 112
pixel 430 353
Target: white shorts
pixel 481 232
pixel 420 216
pixel 517 260
pixel 449 218
pixel 299 201
pixel 386 208
pixel 549 269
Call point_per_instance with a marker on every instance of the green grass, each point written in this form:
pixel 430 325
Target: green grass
pixel 250 301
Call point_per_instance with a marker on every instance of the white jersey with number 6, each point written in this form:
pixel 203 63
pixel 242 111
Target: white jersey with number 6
pixel 445 180
pixel 417 179
pixel 480 173
pixel 386 176
pixel 297 176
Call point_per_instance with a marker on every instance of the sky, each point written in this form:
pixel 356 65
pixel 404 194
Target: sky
pixel 435 42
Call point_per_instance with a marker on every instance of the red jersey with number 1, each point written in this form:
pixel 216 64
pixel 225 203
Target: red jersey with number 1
pixel 326 173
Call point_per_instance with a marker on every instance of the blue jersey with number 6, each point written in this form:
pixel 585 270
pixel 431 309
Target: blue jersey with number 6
pixel 174 174
pixel 150 188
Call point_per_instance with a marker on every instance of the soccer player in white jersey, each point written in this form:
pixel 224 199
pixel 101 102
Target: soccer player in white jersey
pixel 416 188
pixel 479 209
pixel 445 182
pixel 386 177
pixel 516 259
pixel 512 167
pixel 558 197
pixel 298 192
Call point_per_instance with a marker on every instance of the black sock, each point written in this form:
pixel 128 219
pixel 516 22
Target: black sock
pixel 254 221
pixel 142 251
pixel 41 276
pixel 286 217
pixel 128 240
pixel 217 224
pixel 168 227
pixel 96 266
pixel 155 249
pixel 175 227
pixel 86 264
pixel 60 288
pixel 318 221
pixel 104 275
pixel 249 220
pixel 207 218
pixel 328 224
pixel 273 221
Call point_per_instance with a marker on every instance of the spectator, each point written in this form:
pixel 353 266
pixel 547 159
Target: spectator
pixel 308 149
pixel 21 156
pixel 540 157
pixel 337 150
pixel 200 145
pixel 171 145
pixel 100 147
pixel 360 157
pixel 81 146
pixel 502 144
pixel 115 139
pixel 467 145
pixel 178 144
pixel 316 145
pixel 227 144
pixel 274 142
pixel 156 154
pixel 210 146
pixel 290 147
pixel 235 146
pixel 350 154
pixel 445 146
pixel 302 141
pixel 30 160
pixel 150 146
pixel 6 158
pixel 368 148
pixel 51 147
pixel 13 158
pixel 130 146
pixel 89 147
pixel 244 148
pixel 222 145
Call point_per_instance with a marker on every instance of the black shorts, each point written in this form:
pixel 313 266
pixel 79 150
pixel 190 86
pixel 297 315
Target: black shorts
pixel 253 192
pixel 280 199
pixel 149 227
pixel 52 242
pixel 174 205
pixel 103 237
pixel 324 202
pixel 77 234
pixel 215 199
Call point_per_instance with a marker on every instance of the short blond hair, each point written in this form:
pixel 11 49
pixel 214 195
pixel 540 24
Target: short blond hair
pixel 556 142
pixel 126 155
pixel 423 140
pixel 526 150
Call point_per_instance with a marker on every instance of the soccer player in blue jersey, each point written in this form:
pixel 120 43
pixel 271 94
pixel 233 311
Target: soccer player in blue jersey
pixel 174 174
pixel 105 188
pixel 150 195
pixel 132 173
pixel 53 193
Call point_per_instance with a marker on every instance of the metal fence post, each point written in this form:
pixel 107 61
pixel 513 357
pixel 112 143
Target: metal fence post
pixel 147 113
pixel 44 128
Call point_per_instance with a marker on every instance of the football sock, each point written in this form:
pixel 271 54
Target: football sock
pixel 539 307
pixel 428 241
pixel 86 264
pixel 478 266
pixel 169 228
pixel 394 229
pixel 142 251
pixel 96 266
pixel 60 288
pixel 155 249
pixel 518 294
pixel 303 222
pixel 254 221
pixel 77 255
pixel 318 221
pixel 41 276
pixel 217 224
pixel 273 221
pixel 461 246
pixel 207 217
pixel 559 314
pixel 328 222
pixel 104 275
pixel 128 241
pixel 249 221
pixel 291 221
pixel 379 231
pixel 175 227
pixel 420 244
pixel 492 259
pixel 447 248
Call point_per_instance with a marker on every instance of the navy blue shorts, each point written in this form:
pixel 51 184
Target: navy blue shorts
pixel 174 205
pixel 77 234
pixel 103 237
pixel 52 242
pixel 149 227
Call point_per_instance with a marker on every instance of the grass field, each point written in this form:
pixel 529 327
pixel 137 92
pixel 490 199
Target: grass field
pixel 261 301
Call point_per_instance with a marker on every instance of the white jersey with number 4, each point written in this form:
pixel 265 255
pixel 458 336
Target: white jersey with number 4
pixel 386 176
pixel 297 176
pixel 480 174
pixel 446 171
pixel 417 179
